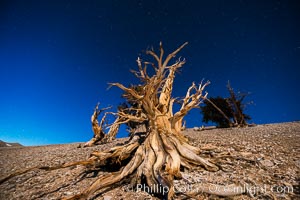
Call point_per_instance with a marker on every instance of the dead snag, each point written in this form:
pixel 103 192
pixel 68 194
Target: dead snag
pixel 96 126
pixel 236 103
pixel 156 156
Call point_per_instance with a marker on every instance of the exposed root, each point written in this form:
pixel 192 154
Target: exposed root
pixel 157 161
pixel 110 179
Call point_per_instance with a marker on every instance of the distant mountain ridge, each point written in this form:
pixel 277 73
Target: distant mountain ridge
pixel 9 144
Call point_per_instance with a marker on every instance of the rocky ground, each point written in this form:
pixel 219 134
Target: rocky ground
pixel 263 161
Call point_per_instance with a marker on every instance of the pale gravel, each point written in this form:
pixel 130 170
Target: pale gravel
pixel 275 148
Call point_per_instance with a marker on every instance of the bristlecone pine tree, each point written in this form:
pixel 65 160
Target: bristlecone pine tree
pixel 157 155
pixel 235 101
pixel 217 110
pixel 154 156
pixel 226 112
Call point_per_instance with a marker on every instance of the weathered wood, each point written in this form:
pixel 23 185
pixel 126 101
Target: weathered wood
pixel 162 149
pixel 156 152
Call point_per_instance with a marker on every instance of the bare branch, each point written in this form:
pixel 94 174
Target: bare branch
pixel 128 90
pixel 161 54
pixel 190 101
pixel 153 54
pixel 172 55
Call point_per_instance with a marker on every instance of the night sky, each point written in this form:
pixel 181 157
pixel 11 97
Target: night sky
pixel 56 58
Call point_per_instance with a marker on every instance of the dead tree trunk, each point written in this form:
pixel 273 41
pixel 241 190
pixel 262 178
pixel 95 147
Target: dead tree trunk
pixel 236 109
pixel 113 130
pixel 158 155
pixel 97 127
pixel 100 137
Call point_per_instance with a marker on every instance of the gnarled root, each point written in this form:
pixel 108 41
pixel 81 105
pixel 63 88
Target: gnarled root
pixel 157 161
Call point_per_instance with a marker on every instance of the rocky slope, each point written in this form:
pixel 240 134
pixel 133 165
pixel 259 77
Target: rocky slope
pixel 9 144
pixel 264 161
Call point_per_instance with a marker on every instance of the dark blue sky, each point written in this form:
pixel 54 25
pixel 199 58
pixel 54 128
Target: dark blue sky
pixel 56 58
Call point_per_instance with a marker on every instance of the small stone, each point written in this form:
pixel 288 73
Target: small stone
pixel 266 163
pixel 107 197
pixel 196 129
pixel 246 154
pixel 68 193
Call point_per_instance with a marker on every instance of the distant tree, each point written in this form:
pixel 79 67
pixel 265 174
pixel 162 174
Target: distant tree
pixel 237 106
pixel 226 112
pixel 217 110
